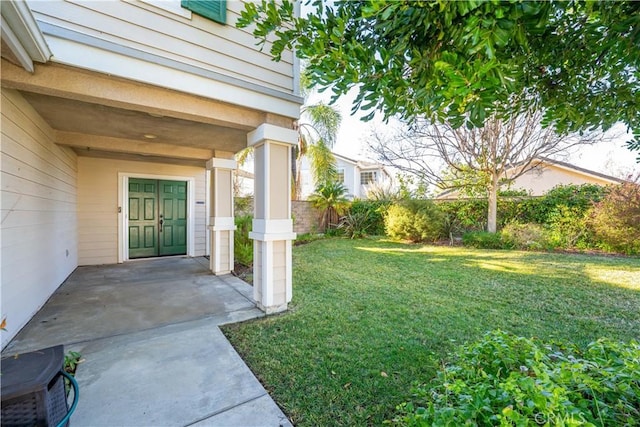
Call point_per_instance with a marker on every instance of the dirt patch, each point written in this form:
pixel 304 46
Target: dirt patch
pixel 243 272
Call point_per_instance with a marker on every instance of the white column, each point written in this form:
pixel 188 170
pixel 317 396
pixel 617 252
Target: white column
pixel 221 222
pixel 272 225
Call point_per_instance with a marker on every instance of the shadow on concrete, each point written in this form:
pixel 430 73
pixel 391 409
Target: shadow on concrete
pixel 153 354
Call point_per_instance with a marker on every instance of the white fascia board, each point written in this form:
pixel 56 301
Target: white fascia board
pixel 79 55
pixel 21 54
pixel 273 133
pixel 216 163
pixel 22 33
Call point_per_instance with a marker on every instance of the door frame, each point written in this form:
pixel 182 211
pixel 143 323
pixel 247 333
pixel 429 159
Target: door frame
pixel 123 210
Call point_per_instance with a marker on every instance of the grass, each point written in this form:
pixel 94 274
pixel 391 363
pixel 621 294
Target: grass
pixel 371 317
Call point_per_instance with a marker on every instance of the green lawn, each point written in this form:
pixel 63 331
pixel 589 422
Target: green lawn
pixel 370 317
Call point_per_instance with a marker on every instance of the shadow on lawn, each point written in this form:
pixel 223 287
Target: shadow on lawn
pixel 549 265
pixel 370 317
pixel 575 297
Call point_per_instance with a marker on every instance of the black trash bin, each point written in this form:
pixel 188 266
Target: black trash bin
pixel 33 388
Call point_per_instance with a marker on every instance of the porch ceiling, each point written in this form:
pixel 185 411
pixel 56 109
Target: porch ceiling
pixel 106 131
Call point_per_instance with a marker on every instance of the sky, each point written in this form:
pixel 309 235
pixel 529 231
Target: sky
pixel 609 157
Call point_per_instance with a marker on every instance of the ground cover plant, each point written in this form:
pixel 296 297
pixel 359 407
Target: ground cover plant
pixel 371 317
pixel 508 380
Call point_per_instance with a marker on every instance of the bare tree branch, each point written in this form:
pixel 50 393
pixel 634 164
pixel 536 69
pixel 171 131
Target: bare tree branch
pixel 486 157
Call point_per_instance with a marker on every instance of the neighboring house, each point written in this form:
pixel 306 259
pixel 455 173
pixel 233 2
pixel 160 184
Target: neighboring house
pixel 356 175
pixel 244 182
pixel 546 174
pixel 120 120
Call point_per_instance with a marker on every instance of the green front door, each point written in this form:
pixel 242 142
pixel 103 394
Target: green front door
pixel 173 217
pixel 157 218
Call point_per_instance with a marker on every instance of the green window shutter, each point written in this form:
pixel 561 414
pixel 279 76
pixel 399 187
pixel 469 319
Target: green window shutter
pixel 216 10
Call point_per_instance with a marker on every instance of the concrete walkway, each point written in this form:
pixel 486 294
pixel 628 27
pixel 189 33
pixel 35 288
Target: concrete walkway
pixel 153 353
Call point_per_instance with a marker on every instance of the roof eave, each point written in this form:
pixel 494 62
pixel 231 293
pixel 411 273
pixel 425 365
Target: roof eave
pixel 22 35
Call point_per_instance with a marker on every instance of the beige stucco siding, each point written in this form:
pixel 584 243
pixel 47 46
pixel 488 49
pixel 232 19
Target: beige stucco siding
pixel 142 28
pixel 540 181
pixel 39 199
pixel 98 204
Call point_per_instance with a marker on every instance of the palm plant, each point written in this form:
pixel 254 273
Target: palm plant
pixel 330 198
pixel 317 131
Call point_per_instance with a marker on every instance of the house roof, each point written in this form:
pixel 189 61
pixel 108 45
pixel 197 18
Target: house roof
pixel 362 164
pixel 569 166
pixel 545 161
pixel 345 159
pixel 22 40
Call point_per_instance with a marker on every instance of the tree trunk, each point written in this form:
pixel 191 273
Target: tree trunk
pixel 492 214
pixel 297 194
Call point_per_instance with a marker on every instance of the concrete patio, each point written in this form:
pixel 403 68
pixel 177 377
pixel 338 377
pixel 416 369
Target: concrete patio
pixel 153 353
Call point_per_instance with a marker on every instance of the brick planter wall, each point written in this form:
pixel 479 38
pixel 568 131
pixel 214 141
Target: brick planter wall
pixel 306 219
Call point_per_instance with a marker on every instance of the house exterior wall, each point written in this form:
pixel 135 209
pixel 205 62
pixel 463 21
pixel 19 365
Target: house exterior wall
pixel 98 204
pixel 159 42
pixel 351 177
pixel 39 202
pixel 540 181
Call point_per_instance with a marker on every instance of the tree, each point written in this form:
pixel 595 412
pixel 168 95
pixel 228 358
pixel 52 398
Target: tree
pixel 330 198
pixel 467 61
pixel 477 157
pixel 317 132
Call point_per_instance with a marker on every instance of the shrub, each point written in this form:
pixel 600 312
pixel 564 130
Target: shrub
pixel 616 219
pixel 568 227
pixel 242 244
pixel 580 198
pixel 414 220
pixel 508 380
pixel 524 236
pixel 470 214
pixel 374 211
pixel 334 232
pixel 517 209
pixel 483 240
pixel 355 224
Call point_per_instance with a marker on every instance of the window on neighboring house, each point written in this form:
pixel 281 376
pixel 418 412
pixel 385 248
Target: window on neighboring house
pixel 216 10
pixel 341 176
pixel 367 177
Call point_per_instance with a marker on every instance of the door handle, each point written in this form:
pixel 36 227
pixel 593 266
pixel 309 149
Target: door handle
pixel 161 222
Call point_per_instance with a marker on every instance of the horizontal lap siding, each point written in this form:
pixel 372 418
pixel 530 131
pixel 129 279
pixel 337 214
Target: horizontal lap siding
pixel 39 204
pixel 279 272
pixel 98 204
pixel 197 41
